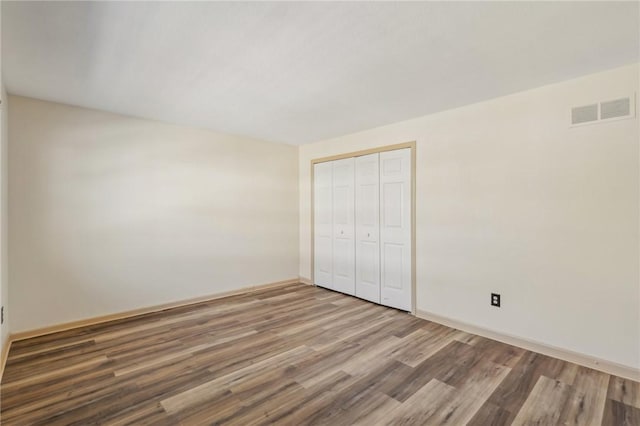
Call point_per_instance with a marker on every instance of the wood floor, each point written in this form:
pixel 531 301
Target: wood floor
pixel 298 355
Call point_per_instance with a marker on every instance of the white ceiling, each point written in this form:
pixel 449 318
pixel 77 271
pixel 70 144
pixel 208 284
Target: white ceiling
pixel 300 72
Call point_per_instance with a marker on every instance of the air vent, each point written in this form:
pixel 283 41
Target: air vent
pixel 584 114
pixel 615 109
pixel 604 111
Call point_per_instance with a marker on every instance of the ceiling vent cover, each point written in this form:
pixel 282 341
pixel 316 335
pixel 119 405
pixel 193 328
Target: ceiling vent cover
pixel 603 111
pixel 615 109
pixel 584 114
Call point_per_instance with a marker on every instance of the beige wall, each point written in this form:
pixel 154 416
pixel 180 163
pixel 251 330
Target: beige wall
pixel 512 200
pixel 4 172
pixel 111 213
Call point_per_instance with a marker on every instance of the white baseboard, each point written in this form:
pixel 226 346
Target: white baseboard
pixel 105 318
pixel 4 356
pixel 563 354
pixel 304 280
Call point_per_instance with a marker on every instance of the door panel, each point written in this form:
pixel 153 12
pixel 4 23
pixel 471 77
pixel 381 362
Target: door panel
pixel 392 204
pixel 343 226
pixel 341 197
pixel 368 228
pixel 323 197
pixel 323 224
pixel 341 264
pixel 323 261
pixel 392 255
pixel 395 228
pixel 368 258
pixel 367 211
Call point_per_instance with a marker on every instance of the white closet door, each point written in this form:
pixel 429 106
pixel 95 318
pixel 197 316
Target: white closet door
pixel 323 224
pixel 395 228
pixel 368 228
pixel 343 226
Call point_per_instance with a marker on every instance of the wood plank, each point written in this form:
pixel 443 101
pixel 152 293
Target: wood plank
pixel 618 414
pixel 490 414
pixel 544 404
pixel 624 391
pixel 586 404
pixel 420 345
pixel 210 389
pixel 305 404
pixel 471 395
pixel 419 408
pixel 516 387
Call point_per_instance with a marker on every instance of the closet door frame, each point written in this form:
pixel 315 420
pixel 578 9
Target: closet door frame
pixel 394 147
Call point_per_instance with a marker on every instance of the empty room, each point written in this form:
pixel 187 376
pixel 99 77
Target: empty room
pixel 327 213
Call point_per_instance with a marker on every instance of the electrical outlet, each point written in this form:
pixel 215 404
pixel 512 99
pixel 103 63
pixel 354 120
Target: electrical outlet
pixel 495 299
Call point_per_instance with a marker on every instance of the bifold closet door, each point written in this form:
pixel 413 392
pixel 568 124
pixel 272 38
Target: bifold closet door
pixel 368 228
pixel 395 228
pixel 344 226
pixel 323 224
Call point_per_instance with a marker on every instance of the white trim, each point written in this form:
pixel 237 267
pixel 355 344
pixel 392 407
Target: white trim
pixel 146 310
pixel 128 314
pixel 4 356
pixel 306 281
pixel 563 354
